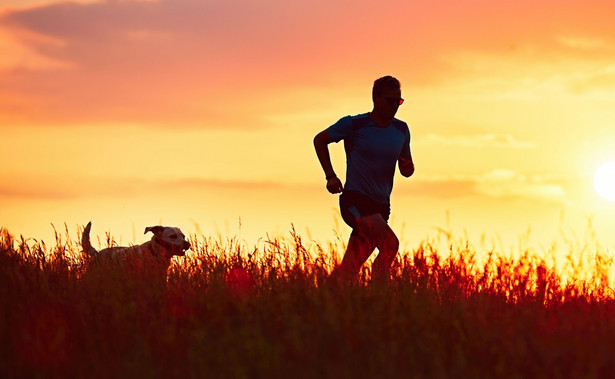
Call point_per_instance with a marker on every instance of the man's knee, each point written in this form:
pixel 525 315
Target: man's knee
pixel 374 227
pixel 394 242
pixel 387 243
pixel 391 242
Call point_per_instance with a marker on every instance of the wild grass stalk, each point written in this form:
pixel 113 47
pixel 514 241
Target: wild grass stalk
pixel 233 310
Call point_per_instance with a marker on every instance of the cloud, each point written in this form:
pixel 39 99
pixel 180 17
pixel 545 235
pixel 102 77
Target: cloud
pixel 506 183
pixel 196 63
pixel 156 62
pixel 441 188
pixel 13 191
pixel 602 79
pixel 224 185
pixel 49 188
pixel 488 140
pixel 586 44
pixel 495 184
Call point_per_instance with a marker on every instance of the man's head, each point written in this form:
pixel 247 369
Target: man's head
pixel 386 95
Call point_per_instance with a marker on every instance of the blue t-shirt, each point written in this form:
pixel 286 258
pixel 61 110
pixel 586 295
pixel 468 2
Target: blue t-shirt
pixel 371 153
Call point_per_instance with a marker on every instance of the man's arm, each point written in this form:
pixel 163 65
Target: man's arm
pixel 406 165
pixel 321 144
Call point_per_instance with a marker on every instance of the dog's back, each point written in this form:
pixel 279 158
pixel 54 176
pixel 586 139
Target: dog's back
pixel 140 256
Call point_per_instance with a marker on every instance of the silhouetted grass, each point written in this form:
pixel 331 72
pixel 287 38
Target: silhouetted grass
pixel 237 311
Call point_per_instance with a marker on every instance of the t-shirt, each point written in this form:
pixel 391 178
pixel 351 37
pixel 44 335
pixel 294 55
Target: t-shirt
pixel 371 153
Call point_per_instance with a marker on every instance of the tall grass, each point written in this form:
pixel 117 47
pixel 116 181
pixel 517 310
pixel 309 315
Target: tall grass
pixel 237 311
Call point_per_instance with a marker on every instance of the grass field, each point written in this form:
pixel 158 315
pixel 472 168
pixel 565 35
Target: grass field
pixel 237 311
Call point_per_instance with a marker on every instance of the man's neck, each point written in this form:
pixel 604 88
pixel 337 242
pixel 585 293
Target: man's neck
pixel 379 120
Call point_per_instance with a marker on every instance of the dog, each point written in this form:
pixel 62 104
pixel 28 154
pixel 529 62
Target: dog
pixel 146 263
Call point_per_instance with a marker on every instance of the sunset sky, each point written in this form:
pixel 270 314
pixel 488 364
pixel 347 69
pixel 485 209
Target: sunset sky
pixel 198 113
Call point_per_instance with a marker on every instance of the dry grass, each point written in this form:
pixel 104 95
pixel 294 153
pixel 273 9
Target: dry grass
pixel 262 311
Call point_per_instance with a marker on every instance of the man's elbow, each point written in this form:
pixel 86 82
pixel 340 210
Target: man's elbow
pixel 321 140
pixel 316 141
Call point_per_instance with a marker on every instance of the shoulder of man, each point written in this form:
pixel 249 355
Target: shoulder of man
pixel 343 128
pixel 401 126
pixel 360 121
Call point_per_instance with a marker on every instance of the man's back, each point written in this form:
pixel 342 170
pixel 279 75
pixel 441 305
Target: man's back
pixel 372 152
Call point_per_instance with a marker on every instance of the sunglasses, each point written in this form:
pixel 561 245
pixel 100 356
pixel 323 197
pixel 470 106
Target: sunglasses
pixel 394 100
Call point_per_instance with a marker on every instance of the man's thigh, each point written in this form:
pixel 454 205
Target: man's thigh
pixel 374 227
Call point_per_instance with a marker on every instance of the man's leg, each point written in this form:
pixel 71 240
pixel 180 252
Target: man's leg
pixel 358 250
pixel 383 237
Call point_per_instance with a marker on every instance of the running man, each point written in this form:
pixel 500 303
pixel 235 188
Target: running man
pixel 375 143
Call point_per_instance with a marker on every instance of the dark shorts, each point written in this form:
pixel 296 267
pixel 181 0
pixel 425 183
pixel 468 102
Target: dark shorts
pixel 354 205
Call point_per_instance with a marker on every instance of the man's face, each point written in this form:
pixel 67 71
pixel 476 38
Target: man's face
pixel 387 103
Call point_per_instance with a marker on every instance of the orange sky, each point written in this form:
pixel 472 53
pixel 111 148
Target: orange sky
pixel 196 113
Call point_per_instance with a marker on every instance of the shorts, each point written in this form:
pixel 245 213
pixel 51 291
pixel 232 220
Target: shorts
pixel 354 205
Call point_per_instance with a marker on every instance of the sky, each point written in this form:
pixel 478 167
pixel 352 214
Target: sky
pixel 200 114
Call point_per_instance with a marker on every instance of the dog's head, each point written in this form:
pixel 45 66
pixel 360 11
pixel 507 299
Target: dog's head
pixel 172 239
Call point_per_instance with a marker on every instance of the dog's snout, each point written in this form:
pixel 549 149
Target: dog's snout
pixel 186 245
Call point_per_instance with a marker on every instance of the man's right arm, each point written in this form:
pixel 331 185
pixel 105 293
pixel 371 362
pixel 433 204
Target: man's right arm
pixel 321 144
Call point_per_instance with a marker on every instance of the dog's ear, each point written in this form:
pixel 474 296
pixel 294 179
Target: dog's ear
pixel 157 230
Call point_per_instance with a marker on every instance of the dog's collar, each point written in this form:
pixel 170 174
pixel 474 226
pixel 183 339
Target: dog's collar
pixel 162 243
pixel 165 244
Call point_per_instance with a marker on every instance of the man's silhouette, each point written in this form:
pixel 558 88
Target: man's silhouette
pixel 374 143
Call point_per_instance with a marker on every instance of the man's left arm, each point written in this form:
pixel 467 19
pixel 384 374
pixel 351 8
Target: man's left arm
pixel 406 165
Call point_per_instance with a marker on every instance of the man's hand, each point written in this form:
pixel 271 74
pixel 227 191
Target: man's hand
pixel 334 185
pixel 406 165
pixel 321 142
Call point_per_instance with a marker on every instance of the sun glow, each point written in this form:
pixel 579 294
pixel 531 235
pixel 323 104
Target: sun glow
pixel 604 181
